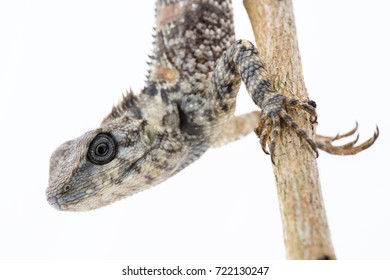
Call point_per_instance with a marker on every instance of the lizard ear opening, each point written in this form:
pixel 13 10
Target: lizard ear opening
pixel 149 134
pixel 102 149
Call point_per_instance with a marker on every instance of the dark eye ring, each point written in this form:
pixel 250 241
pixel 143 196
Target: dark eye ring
pixel 102 149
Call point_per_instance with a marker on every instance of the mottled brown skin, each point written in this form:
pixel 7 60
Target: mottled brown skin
pixel 186 107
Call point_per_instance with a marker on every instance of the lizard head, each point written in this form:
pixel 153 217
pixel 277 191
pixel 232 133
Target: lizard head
pixel 105 165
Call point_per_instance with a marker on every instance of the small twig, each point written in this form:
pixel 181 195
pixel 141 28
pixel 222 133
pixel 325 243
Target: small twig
pixel 306 232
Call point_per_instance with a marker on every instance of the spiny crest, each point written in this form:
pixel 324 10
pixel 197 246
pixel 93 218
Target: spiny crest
pixel 149 62
pixel 151 57
pixel 127 104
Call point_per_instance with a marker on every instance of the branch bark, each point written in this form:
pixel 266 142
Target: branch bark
pixel 305 226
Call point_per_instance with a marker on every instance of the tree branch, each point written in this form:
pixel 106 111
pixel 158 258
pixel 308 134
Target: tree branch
pixel 305 227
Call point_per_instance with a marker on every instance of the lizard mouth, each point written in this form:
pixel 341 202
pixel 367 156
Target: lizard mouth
pixel 71 202
pixel 53 202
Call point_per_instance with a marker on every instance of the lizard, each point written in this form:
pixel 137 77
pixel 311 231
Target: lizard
pixel 186 107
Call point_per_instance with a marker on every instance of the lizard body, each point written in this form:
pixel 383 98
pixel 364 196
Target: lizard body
pixel 186 107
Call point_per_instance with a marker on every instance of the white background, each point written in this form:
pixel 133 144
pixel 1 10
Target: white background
pixel 63 64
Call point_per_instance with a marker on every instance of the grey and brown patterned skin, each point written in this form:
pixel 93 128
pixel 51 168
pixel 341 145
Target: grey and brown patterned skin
pixel 186 107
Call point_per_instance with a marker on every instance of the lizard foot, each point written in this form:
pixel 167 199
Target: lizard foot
pixel 326 143
pixel 273 111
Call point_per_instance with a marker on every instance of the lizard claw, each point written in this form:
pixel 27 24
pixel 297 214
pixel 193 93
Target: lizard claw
pixel 273 112
pixel 265 132
pixel 326 143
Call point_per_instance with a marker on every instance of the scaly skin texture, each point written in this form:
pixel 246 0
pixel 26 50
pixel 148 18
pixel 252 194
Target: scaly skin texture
pixel 186 107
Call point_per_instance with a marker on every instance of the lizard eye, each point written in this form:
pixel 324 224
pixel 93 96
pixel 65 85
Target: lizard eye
pixel 102 149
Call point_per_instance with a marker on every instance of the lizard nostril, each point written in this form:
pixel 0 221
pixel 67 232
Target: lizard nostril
pixel 66 188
